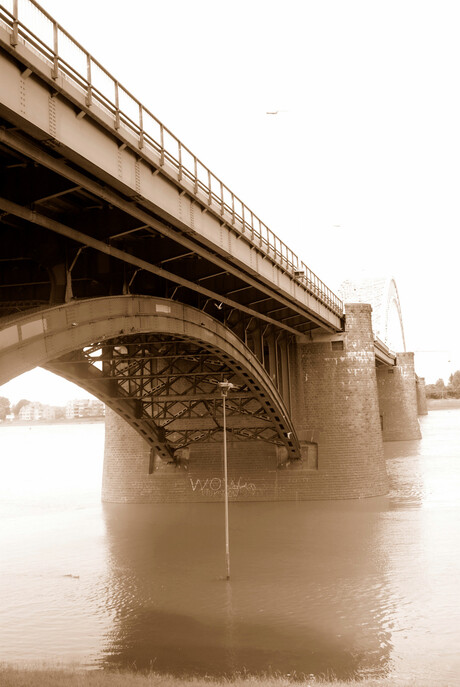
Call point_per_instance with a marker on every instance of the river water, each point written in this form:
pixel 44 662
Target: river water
pixel 348 588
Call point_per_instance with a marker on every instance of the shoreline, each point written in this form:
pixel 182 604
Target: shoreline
pixel 48 423
pixel 442 403
pixel 11 676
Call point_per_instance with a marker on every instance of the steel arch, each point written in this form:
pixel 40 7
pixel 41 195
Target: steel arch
pixel 56 338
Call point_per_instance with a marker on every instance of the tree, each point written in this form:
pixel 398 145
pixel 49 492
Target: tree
pixel 437 390
pixel 18 406
pixel 440 388
pixel 454 384
pixel 4 407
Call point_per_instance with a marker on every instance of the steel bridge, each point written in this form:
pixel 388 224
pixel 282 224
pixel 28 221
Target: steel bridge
pixel 128 266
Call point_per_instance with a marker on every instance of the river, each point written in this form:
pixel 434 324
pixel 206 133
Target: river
pixel 347 588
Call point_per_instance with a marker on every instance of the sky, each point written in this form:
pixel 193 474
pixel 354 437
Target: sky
pixel 358 172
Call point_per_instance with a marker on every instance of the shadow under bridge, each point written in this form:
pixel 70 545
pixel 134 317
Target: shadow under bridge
pixel 157 363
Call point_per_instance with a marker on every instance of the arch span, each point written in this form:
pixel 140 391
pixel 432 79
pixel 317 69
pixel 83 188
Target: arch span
pixel 382 294
pixel 391 321
pixel 116 348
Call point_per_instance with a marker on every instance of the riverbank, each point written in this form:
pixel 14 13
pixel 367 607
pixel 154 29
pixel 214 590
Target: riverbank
pixel 20 677
pixel 442 403
pixel 61 421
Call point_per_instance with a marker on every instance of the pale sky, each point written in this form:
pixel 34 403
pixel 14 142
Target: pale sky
pixel 359 170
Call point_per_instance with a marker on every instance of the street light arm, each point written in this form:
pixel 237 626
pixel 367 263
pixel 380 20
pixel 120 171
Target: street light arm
pixel 225 387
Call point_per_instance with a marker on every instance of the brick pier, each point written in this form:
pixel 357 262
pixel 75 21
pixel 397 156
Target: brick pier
pixel 337 416
pixel 398 400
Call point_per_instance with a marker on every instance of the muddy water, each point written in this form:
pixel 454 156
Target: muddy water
pixel 350 588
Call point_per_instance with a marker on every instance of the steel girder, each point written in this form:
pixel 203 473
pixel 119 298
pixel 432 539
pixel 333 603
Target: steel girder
pixel 171 385
pixel 156 362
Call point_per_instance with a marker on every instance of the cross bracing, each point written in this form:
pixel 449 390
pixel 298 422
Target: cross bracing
pixel 172 385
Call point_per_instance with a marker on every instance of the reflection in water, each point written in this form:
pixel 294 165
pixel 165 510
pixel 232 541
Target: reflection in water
pixel 307 594
pixel 351 588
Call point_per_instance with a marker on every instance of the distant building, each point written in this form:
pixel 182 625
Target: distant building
pixel 48 413
pixel 33 412
pixel 84 407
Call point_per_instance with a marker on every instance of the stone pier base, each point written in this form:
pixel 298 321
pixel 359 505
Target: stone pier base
pixel 257 471
pixel 398 400
pixel 337 417
pixel 336 406
pixel 422 407
pixel 126 462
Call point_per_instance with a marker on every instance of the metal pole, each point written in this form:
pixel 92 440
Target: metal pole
pixel 227 538
pixel 225 387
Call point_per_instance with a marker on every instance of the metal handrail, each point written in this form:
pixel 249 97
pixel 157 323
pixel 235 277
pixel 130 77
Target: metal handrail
pixel 200 182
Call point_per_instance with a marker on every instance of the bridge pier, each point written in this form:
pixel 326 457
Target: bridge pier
pixel 421 396
pixel 126 462
pixel 336 407
pixel 398 400
pixel 196 275
pixel 337 417
pixel 132 474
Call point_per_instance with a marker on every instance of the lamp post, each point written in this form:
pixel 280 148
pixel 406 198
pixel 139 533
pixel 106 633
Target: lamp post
pixel 225 387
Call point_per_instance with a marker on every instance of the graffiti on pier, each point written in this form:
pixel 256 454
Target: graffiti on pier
pixel 216 487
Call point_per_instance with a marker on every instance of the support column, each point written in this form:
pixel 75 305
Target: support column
pixel 195 475
pixel 336 412
pixel 421 396
pixel 398 399
pixel 337 419
pixel 126 463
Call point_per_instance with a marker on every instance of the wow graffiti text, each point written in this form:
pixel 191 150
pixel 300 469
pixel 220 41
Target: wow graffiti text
pixel 215 486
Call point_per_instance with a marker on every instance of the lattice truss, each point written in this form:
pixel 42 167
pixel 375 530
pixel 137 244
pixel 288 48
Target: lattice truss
pixel 171 385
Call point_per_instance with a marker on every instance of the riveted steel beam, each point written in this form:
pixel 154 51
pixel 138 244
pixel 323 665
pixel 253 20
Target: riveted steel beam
pixel 58 194
pixel 60 228
pixel 59 166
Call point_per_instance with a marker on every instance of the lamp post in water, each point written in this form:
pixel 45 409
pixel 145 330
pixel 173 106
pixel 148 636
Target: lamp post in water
pixel 225 387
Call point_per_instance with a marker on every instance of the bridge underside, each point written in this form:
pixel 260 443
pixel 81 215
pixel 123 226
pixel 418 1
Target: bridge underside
pixel 167 387
pixel 60 241
pixel 126 272
pixel 158 364
pixel 85 214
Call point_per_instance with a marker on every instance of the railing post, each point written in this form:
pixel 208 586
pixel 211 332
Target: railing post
pixel 162 143
pixel 180 159
pixel 209 188
pixel 89 92
pixel 55 72
pixel 195 162
pixel 221 199
pixel 117 106
pixel 15 35
pixel 141 127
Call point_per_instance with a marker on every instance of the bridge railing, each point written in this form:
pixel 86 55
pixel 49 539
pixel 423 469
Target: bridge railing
pixel 30 24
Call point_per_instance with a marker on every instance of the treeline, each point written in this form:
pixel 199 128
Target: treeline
pixel 7 408
pixel 442 390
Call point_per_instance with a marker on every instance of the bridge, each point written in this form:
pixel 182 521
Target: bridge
pixel 129 268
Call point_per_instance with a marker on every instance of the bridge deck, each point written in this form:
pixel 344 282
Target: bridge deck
pixel 96 144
